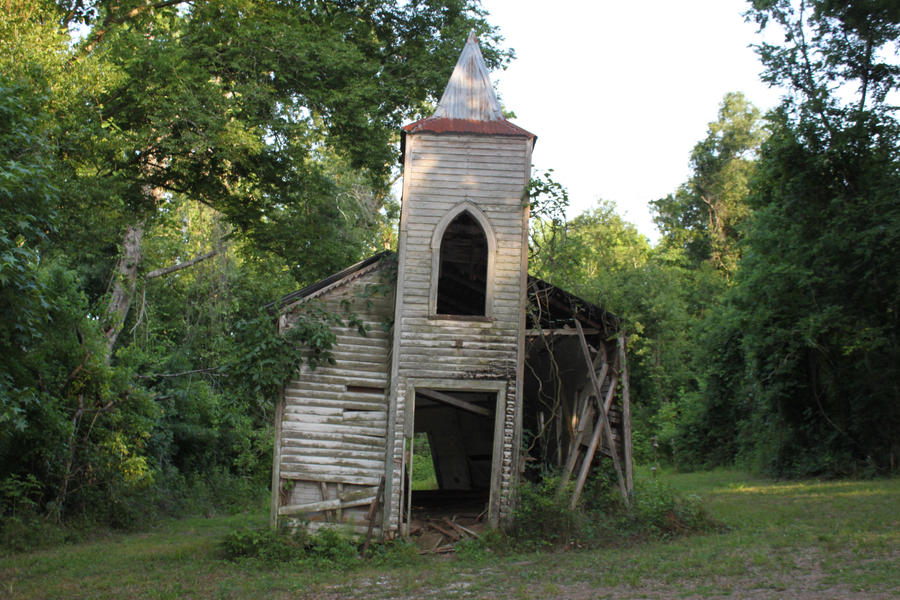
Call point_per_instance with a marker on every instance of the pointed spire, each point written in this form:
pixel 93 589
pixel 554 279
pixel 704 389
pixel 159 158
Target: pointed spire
pixel 469 93
pixel 469 104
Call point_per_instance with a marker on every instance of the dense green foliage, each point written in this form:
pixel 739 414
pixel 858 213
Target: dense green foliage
pixel 802 355
pixel 166 169
pixel 764 326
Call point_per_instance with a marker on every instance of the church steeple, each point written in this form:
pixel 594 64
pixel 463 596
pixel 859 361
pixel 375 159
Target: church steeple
pixel 469 93
pixel 469 104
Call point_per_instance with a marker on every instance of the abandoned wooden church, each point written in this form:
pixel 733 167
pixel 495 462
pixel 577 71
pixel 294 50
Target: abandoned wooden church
pixel 462 346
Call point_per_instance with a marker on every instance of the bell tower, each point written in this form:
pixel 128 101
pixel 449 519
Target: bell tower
pixel 459 318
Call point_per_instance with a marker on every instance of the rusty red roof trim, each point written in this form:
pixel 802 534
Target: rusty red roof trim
pixel 444 125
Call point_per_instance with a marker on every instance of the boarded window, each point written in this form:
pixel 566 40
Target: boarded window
pixel 462 286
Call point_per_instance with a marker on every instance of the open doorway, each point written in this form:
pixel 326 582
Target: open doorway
pixel 450 458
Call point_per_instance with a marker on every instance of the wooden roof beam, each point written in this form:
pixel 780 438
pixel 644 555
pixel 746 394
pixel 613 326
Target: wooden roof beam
pixel 453 401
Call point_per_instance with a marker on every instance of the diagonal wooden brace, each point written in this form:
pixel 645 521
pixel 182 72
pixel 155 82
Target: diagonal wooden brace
pixel 603 420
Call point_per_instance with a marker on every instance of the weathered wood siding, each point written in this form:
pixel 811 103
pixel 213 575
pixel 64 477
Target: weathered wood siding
pixel 440 173
pixel 330 444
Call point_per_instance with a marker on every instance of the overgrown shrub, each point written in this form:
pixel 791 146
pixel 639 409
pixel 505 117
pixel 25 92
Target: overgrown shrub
pixel 543 518
pixel 328 548
pixel 658 511
pixel 29 531
pixel 491 542
pixel 266 545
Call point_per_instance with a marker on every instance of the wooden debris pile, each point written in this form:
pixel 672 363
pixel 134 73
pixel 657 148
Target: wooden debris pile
pixel 439 534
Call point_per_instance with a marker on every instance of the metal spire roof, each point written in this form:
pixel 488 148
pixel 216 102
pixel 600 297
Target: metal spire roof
pixel 469 104
pixel 469 93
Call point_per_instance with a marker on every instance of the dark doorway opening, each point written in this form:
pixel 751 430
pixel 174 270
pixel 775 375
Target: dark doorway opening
pixel 457 427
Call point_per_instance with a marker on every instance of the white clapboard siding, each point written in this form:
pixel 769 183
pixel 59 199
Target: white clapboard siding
pixel 336 475
pixel 341 451
pixel 334 417
pixel 441 172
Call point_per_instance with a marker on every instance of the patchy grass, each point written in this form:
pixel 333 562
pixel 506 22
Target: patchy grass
pixel 423 474
pixel 808 539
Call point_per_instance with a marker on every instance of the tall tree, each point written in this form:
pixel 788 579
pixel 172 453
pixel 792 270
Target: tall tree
pixel 705 214
pixel 818 286
pixel 234 104
pixel 27 200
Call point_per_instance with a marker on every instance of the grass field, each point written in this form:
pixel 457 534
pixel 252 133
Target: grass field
pixel 783 540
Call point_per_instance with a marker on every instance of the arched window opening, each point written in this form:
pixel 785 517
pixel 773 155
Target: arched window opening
pixel 462 285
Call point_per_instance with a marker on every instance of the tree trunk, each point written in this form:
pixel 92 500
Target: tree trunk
pixel 122 286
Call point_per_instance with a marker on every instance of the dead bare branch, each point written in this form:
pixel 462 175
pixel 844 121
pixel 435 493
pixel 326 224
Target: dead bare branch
pixel 184 265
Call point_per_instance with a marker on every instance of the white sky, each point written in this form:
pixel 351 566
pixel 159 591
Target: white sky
pixel 619 92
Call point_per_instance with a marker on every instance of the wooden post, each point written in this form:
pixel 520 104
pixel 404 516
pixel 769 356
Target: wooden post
pixel 409 478
pixel 370 516
pixel 329 515
pixel 604 420
pixel 339 513
pixel 626 417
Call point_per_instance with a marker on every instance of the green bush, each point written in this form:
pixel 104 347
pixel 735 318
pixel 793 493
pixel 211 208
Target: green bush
pixel 543 518
pixel 491 542
pixel 266 545
pixel 393 553
pixel 331 549
pixel 26 532
pixel 658 511
pixel 328 548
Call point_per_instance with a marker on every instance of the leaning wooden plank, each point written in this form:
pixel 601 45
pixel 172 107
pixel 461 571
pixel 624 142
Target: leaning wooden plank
pixel 448 399
pixel 333 504
pixel 459 528
pixel 324 487
pixel 574 447
pixel 370 515
pixel 588 459
pixel 348 527
pixel 451 534
pixel 563 331
pixel 340 493
pixel 607 404
pixel 604 421
pixel 600 357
